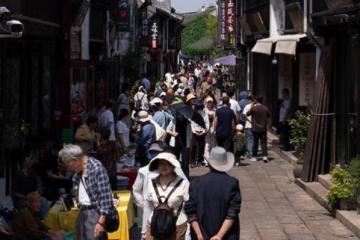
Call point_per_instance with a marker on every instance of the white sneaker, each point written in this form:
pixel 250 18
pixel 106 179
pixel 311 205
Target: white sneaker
pixel 253 159
pixel 265 160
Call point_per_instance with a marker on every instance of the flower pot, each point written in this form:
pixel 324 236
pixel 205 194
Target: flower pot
pixel 345 204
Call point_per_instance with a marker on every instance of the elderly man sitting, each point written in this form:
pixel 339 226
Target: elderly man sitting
pixel 27 223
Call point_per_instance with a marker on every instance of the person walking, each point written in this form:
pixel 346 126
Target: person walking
pixel 261 119
pixel 248 130
pixel 146 137
pixel 167 190
pixel 224 121
pixel 284 116
pixel 106 120
pixel 85 135
pixel 198 133
pixel 140 187
pixel 93 192
pixel 214 200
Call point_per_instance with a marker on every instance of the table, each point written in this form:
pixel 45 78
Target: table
pixel 58 219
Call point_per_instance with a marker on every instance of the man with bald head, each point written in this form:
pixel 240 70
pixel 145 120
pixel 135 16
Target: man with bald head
pixel 27 223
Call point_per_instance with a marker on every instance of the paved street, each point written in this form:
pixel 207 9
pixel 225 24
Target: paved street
pixel 275 208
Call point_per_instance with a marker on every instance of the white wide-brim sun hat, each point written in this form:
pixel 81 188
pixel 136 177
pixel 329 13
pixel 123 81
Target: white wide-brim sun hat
pixel 221 160
pixel 170 158
pixel 143 116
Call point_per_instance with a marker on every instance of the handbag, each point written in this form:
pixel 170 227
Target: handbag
pixel 112 220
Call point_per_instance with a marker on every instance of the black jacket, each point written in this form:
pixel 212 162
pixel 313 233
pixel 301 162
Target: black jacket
pixel 214 197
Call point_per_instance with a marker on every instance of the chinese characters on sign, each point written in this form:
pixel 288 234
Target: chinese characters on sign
pixel 222 18
pixel 306 78
pixel 154 35
pixel 227 18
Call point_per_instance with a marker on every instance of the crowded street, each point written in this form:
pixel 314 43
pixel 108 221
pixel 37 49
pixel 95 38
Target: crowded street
pixel 179 120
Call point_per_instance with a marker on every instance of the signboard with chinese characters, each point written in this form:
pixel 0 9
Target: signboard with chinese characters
pixel 285 73
pixel 123 23
pixel 222 21
pixel 307 78
pixel 154 35
pixel 230 22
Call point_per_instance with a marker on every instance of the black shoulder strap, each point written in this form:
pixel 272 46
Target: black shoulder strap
pixel 173 190
pixel 156 191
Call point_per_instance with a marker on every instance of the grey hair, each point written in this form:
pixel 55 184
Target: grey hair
pixel 70 151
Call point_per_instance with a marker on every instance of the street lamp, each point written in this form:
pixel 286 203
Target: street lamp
pixel 11 28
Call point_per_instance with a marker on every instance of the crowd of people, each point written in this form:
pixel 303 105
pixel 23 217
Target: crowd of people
pixel 188 119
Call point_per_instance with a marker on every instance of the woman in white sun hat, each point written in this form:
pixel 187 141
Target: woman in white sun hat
pixel 171 186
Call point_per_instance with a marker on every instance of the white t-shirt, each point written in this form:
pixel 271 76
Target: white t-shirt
pixel 106 118
pixel 234 105
pixel 248 118
pixel 123 131
pixel 179 197
pixel 84 199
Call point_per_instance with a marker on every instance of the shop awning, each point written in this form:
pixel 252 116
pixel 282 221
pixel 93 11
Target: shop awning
pixel 285 44
pixel 286 47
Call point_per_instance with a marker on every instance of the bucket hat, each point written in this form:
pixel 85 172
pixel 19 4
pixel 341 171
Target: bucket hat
pixel 170 158
pixel 143 116
pixel 221 160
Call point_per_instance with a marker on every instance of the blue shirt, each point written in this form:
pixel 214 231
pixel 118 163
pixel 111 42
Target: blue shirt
pixel 162 118
pixel 147 84
pixel 225 117
pixel 146 136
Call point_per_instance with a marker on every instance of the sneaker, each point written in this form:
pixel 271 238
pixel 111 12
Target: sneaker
pixel 253 159
pixel 265 160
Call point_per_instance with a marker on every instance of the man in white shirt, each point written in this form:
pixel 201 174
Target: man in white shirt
pixel 234 105
pixel 248 130
pixel 106 120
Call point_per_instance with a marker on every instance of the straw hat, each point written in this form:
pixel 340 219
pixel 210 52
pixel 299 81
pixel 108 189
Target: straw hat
pixel 221 160
pixel 143 116
pixel 190 97
pixel 170 158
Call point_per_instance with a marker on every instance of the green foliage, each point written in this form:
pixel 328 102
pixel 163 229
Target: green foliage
pixel 201 27
pixel 299 126
pixel 343 187
pixel 354 169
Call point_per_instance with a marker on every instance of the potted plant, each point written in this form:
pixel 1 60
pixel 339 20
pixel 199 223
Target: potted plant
pixel 354 169
pixel 341 194
pixel 299 126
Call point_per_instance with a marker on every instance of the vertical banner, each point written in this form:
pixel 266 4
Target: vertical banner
pixel 285 73
pixel 230 21
pixel 222 20
pixel 307 78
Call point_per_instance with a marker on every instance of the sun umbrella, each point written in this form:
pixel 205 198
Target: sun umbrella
pixel 189 113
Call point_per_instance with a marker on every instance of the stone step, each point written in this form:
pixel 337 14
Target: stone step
pixel 325 180
pixel 316 190
pixel 350 219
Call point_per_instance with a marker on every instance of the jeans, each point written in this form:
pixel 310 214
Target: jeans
pixel 249 141
pixel 262 137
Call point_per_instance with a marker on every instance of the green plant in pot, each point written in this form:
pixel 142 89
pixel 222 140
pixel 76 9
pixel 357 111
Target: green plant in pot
pixel 343 191
pixel 299 126
pixel 354 169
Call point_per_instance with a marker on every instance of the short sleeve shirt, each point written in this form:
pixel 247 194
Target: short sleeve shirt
pixel 105 118
pixel 225 117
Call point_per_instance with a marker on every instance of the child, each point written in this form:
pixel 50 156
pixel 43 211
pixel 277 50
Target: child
pixel 239 143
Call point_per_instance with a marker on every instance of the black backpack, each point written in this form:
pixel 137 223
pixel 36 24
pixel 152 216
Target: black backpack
pixel 163 221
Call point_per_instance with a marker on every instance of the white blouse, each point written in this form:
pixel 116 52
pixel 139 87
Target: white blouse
pixel 177 198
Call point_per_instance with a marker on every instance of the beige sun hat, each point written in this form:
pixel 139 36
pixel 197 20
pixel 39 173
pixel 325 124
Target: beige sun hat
pixel 221 160
pixel 190 96
pixel 170 158
pixel 143 116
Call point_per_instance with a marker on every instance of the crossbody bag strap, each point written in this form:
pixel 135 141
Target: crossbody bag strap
pixel 83 183
pixel 156 191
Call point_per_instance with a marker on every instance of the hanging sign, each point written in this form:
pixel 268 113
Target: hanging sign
pixel 154 35
pixel 230 22
pixel 123 23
